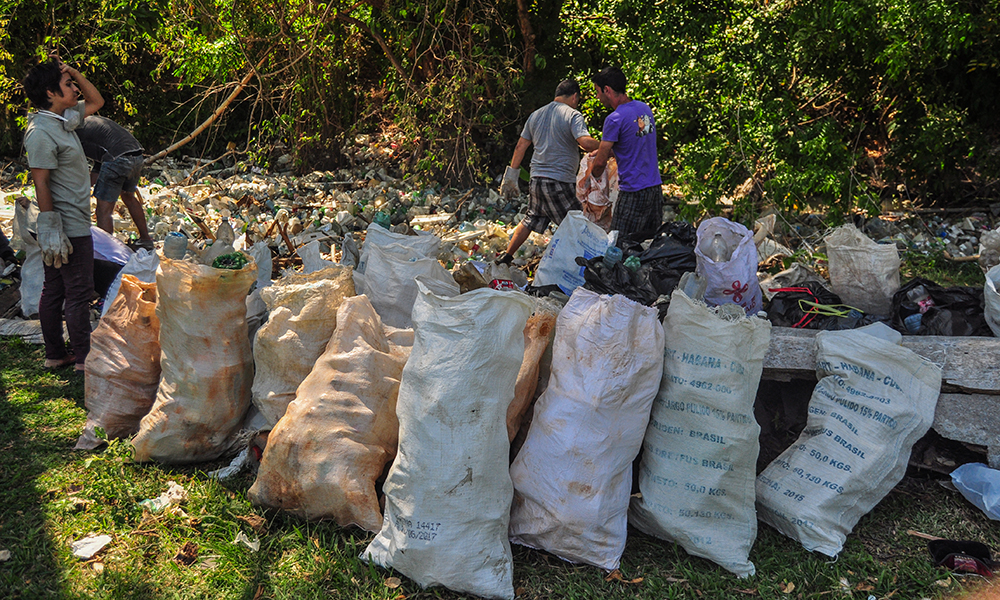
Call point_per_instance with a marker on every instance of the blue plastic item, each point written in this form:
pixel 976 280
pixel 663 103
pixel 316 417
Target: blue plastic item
pixel 981 486
pixel 612 255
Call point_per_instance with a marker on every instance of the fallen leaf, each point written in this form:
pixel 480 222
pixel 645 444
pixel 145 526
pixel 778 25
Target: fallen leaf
pixel 674 580
pixel 863 587
pixel 748 592
pixel 4 555
pixel 520 591
pixel 616 575
pixel 259 593
pixel 393 582
pixel 256 522
pixel 789 588
pixel 943 582
pixel 187 554
pixel 98 567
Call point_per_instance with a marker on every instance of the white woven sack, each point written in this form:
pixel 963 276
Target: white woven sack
pixel 423 244
pixel 448 493
pixel 390 282
pixel 575 236
pixel 700 451
pixel 992 298
pixel 573 475
pixel 302 316
pixel 875 399
pixel 863 273
pixel 735 280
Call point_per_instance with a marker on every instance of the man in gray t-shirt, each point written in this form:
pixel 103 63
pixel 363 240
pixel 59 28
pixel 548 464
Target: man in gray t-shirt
pixel 558 131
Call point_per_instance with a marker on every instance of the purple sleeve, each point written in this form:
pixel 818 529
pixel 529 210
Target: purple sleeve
pixel 612 128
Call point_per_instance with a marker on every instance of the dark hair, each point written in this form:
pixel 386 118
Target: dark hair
pixel 567 87
pixel 42 78
pixel 611 77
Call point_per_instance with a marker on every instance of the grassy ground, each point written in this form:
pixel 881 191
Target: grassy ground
pixel 51 496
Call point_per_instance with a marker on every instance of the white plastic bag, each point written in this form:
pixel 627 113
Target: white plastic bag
pixel 32 269
pixel 302 316
pixel 324 456
pixel 992 298
pixel 598 195
pixel 390 284
pixel 206 363
pixel 980 485
pixel 573 475
pixel 699 457
pixel 142 265
pixel 575 236
pixel 875 399
pixel 727 259
pixel 448 493
pixel 311 259
pixel 863 273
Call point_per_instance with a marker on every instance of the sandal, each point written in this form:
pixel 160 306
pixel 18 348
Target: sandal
pixel 58 363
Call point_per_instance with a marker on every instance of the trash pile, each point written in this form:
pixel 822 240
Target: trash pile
pixel 354 342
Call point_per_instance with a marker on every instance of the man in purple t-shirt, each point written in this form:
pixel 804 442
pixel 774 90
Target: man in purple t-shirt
pixel 629 133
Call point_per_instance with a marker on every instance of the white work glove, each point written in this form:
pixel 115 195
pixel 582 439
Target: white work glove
pixel 508 188
pixel 53 242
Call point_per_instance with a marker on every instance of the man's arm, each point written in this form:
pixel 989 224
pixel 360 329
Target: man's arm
pixel 92 99
pixel 589 144
pixel 601 158
pixel 42 191
pixel 519 150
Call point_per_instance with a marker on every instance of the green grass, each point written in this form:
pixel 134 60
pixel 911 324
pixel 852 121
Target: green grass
pixel 51 496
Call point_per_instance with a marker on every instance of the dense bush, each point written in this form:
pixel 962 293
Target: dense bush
pixel 837 103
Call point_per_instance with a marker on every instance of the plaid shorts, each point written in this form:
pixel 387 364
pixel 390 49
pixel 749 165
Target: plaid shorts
pixel 550 200
pixel 118 175
pixel 638 213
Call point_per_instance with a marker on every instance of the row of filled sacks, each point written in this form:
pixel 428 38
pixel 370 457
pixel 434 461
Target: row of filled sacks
pixel 178 370
pixel 170 363
pixel 684 391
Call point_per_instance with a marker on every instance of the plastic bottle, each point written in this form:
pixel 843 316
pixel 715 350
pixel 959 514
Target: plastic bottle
pixel 611 256
pixel 921 298
pixel 718 249
pixel 175 245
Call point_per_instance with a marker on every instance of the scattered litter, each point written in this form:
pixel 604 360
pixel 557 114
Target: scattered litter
pixel 174 495
pixel 242 539
pixel 4 555
pixel 89 546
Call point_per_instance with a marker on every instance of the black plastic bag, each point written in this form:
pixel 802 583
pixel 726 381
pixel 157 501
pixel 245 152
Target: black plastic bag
pixel 789 308
pixel 954 311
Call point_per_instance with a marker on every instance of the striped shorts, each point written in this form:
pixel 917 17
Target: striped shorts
pixel 550 200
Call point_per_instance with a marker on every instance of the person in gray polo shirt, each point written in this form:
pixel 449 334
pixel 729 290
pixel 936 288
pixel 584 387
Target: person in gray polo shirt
pixel 62 189
pixel 558 131
pixel 118 162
